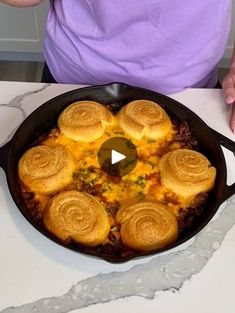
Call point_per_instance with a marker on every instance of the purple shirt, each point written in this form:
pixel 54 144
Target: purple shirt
pixel 164 45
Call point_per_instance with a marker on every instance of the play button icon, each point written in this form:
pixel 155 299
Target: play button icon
pixel 117 156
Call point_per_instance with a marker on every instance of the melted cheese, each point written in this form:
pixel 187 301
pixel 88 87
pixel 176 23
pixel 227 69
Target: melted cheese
pixel 142 182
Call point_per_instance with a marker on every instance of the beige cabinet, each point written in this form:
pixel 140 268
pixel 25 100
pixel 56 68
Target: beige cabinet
pixel 22 29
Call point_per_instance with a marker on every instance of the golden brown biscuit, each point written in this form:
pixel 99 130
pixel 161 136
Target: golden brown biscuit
pixel 147 225
pixel 78 216
pixel 84 121
pixel 141 118
pixel 186 172
pixel 45 169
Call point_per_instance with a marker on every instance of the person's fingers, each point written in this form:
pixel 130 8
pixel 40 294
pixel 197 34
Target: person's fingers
pixel 232 119
pixel 229 89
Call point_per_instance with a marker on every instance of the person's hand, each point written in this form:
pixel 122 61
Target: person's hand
pixel 228 85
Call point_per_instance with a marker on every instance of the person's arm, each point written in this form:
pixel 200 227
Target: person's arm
pixel 21 3
pixel 229 89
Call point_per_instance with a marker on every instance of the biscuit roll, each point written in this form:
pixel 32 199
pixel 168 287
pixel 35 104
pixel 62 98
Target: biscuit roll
pixel 147 226
pixel 46 169
pixel 84 121
pixel 141 118
pixel 186 172
pixel 78 216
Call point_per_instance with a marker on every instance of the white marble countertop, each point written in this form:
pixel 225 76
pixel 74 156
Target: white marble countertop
pixel 37 275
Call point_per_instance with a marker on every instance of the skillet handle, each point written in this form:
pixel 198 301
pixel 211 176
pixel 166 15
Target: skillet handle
pixel 229 144
pixel 4 151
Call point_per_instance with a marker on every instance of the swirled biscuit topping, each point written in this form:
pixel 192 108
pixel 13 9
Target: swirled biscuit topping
pixel 46 169
pixel 84 121
pixel 147 225
pixel 73 215
pixel 186 172
pixel 141 118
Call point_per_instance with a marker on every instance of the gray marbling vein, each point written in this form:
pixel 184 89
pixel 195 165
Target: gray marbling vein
pixel 164 272
pixel 16 102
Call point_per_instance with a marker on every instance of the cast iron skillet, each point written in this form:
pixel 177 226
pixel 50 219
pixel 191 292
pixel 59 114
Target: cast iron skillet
pixel 117 94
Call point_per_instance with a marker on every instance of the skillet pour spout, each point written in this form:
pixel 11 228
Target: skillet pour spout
pixel 115 96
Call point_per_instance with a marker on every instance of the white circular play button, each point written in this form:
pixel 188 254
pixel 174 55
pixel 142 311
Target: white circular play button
pixel 117 156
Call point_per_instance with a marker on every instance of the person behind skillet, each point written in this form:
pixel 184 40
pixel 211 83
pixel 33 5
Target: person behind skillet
pixel 163 45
